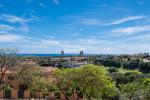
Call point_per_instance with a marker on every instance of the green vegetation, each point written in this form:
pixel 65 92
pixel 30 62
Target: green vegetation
pixel 125 63
pixel 27 72
pixel 91 81
pixel 41 84
pixel 109 78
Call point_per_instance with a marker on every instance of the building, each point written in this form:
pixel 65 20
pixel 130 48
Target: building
pixel 81 53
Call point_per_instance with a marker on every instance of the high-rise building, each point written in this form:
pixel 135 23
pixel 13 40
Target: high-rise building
pixel 62 53
pixel 81 53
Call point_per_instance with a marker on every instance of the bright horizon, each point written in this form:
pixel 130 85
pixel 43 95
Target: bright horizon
pixel 94 26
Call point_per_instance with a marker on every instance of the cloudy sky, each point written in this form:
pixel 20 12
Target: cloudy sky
pixel 95 26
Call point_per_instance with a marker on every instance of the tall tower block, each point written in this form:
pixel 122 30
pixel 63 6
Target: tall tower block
pixel 81 53
pixel 62 53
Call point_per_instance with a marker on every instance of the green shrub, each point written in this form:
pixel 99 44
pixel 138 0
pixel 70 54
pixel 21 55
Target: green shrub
pixel 113 70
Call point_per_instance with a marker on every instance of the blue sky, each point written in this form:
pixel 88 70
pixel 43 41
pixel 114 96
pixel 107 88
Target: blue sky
pixel 95 26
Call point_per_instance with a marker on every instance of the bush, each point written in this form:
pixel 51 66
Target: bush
pixel 7 91
pixel 145 67
pixel 7 88
pixel 130 65
pixel 113 70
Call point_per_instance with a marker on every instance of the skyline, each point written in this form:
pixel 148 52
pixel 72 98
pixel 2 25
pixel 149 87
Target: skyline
pixel 94 26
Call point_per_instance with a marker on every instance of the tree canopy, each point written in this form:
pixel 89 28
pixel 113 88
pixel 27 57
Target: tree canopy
pixel 90 80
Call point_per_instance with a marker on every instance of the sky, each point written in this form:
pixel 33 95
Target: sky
pixel 94 26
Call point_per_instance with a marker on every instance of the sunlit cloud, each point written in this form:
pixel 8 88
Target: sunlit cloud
pixel 143 37
pixel 4 27
pixel 123 20
pixel 130 30
pixel 15 19
pixel 11 38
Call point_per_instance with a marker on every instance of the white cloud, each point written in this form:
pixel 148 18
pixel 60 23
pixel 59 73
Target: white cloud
pixel 56 2
pixel 81 44
pixel 143 37
pixel 69 46
pixel 90 41
pixel 130 30
pixel 75 34
pixel 90 21
pixel 6 27
pixel 16 19
pixel 82 19
pixel 11 38
pixel 42 5
pixel 123 20
pixel 23 28
pixel 131 48
pixel 51 37
pixel 49 42
pixel 13 18
pixel 88 45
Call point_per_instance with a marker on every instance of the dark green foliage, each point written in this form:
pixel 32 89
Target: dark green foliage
pixel 44 62
pixel 113 70
pixel 124 78
pixel 119 78
pixel 134 64
pixel 109 62
pixel 145 67
pixel 7 89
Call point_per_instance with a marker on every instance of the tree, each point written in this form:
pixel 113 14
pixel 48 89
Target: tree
pixel 66 79
pixel 35 81
pixel 144 67
pixel 7 60
pixel 41 84
pixel 137 90
pixel 90 80
pixel 44 61
pixel 95 82
pixel 62 79
pixel 129 89
pixel 132 64
pixel 124 78
pixel 112 70
pixel 146 88
pixel 27 72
